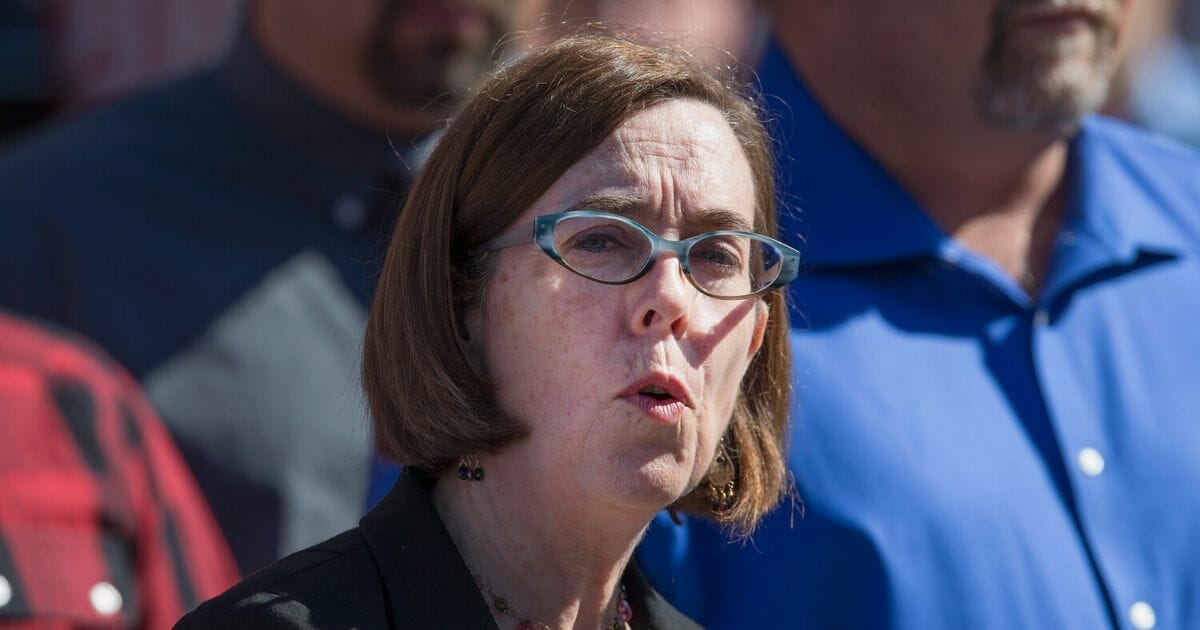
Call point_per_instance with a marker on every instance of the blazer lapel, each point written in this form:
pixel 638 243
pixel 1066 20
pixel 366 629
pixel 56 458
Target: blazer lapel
pixel 426 582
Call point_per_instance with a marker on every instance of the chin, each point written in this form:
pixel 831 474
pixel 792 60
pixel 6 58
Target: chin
pixel 650 483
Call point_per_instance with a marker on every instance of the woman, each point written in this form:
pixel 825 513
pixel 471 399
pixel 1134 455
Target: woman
pixel 575 327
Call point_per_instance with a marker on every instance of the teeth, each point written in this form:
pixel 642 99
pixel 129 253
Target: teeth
pixel 656 390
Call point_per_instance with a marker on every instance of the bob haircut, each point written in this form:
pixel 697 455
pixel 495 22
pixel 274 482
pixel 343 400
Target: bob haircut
pixel 514 138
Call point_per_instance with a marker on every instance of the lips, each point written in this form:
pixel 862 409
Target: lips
pixel 1015 14
pixel 660 396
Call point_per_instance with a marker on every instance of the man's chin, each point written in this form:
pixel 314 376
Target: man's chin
pixel 1038 82
pixel 1050 96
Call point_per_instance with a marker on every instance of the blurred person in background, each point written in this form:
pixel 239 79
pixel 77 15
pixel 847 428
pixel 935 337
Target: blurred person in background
pixel 1158 85
pixel 101 525
pixel 220 235
pixel 103 50
pixel 62 57
pixel 995 343
pixel 719 32
pixel 24 88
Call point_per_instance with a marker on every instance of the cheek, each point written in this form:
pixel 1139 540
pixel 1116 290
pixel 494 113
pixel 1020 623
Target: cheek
pixel 726 368
pixel 543 340
pixel 725 385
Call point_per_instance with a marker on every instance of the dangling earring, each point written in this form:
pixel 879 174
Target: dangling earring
pixel 721 489
pixel 469 468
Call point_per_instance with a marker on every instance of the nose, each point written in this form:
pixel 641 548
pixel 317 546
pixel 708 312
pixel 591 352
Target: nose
pixel 662 299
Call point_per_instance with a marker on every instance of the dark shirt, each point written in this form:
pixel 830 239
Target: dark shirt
pixel 101 525
pixel 220 235
pixel 398 569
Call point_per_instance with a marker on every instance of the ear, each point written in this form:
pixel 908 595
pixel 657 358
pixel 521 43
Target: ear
pixel 762 313
pixel 470 331
pixel 470 325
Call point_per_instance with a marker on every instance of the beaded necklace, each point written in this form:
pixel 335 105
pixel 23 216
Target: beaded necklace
pixel 620 621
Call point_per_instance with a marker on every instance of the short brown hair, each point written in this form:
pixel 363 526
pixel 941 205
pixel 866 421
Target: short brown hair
pixel 512 141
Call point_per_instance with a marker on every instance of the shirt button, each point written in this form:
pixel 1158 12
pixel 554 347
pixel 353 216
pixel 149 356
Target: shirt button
pixel 1142 616
pixel 106 599
pixel 349 213
pixel 1041 318
pixel 951 258
pixel 1090 461
pixel 5 591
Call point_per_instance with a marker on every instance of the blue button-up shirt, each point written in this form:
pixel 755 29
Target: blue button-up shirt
pixel 969 457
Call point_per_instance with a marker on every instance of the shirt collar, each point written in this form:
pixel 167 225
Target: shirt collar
pixel 1115 203
pixel 823 169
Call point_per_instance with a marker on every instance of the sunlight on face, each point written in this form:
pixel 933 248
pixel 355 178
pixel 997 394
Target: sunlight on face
pixel 628 388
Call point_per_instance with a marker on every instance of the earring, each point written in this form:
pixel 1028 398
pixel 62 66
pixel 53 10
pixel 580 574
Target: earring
pixel 721 489
pixel 469 468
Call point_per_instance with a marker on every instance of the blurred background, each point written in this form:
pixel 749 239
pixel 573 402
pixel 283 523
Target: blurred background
pixel 61 57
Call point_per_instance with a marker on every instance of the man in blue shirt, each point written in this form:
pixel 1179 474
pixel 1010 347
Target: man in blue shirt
pixel 219 235
pixel 997 383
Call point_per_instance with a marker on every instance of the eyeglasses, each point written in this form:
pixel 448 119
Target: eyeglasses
pixel 612 249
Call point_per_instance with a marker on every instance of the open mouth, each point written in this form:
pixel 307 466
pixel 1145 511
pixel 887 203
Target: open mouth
pixel 656 393
pixel 662 398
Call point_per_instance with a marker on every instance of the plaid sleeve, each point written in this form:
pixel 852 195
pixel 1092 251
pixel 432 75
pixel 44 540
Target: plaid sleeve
pixel 101 525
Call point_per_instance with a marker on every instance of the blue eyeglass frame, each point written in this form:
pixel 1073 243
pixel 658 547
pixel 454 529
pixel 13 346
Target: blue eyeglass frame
pixel 543 237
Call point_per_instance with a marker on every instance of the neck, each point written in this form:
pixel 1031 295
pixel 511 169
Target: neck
pixel 999 192
pixel 999 196
pixel 560 567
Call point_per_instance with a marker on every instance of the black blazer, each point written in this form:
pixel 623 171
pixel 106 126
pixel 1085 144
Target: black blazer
pixel 398 569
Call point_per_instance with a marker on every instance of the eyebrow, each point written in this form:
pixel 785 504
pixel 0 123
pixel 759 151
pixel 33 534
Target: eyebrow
pixel 634 207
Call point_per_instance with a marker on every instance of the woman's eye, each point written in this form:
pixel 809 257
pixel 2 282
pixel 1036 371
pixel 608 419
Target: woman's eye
pixel 595 242
pixel 718 256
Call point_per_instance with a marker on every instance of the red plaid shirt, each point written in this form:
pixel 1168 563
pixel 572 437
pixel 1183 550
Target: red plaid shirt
pixel 101 525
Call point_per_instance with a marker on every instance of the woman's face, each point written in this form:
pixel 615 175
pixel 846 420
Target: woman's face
pixel 585 364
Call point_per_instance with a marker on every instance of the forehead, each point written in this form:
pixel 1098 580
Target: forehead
pixel 676 159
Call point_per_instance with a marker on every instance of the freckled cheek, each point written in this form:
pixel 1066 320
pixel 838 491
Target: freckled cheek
pixel 726 385
pixel 548 344
pixel 584 321
pixel 724 370
pixel 720 336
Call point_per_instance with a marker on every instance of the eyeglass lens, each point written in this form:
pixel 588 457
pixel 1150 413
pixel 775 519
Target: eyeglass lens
pixel 723 265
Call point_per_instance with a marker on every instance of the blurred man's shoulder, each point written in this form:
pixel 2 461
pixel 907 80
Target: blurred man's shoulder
pixel 1142 148
pixel 116 131
pixel 1164 171
pixel 136 152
